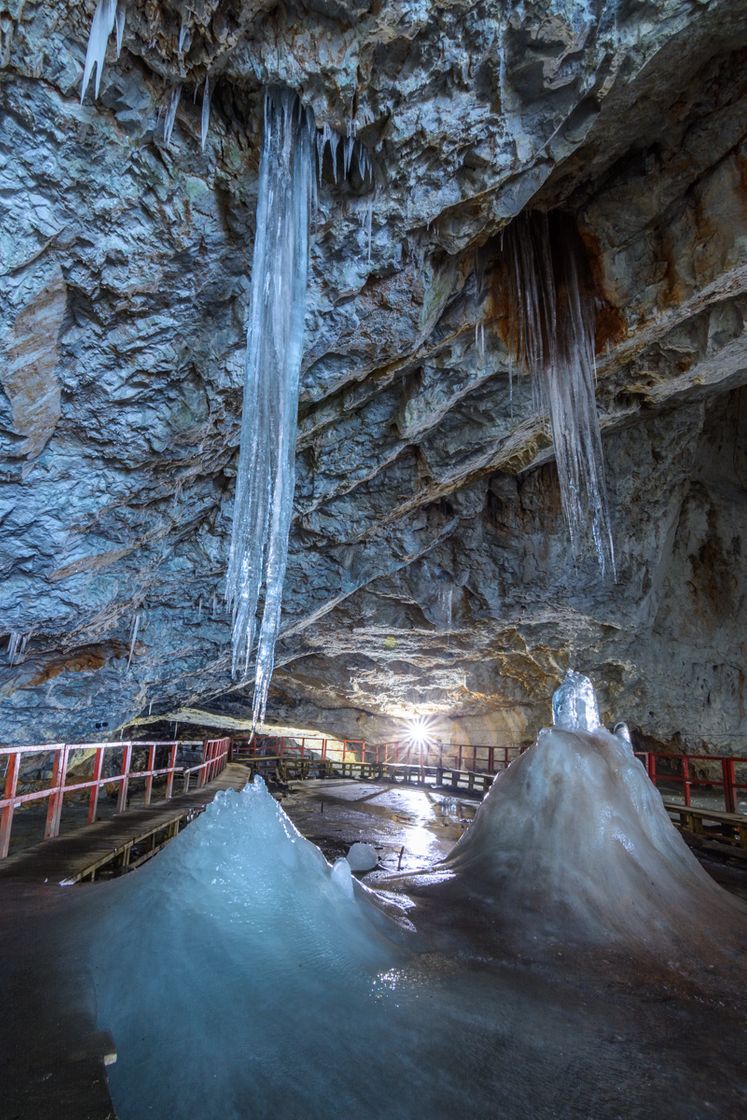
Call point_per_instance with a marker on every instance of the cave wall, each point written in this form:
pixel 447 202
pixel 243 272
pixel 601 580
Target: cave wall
pixel 429 566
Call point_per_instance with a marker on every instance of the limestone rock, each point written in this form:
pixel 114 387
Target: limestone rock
pixel 429 565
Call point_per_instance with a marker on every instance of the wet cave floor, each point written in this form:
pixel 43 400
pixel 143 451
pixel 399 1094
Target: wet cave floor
pixel 411 827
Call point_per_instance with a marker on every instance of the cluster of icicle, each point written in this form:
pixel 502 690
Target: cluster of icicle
pixel 552 332
pixel 110 14
pixel 354 156
pixel 17 643
pixel 266 477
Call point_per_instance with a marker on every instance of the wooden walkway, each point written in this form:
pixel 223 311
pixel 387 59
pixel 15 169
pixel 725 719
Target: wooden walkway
pixel 122 842
pixel 710 829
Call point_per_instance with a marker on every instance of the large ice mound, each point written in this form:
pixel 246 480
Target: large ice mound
pixel 238 941
pixel 573 841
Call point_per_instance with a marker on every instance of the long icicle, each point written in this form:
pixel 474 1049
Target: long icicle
pixel 205 117
pixel 266 476
pixel 120 20
pixel 102 26
pixel 170 118
pixel 552 333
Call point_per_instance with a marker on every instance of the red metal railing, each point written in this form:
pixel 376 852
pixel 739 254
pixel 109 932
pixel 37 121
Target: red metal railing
pixel 711 772
pixel 459 756
pixel 303 746
pixel 481 758
pixel 215 755
pixel 707 771
pixel 697 770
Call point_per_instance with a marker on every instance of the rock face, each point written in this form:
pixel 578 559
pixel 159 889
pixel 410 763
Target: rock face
pixel 429 567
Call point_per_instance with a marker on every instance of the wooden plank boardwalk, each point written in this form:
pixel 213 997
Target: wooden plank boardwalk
pixel 124 841
pixel 711 829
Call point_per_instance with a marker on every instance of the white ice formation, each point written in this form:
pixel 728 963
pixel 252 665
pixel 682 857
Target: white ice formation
pixel 622 731
pixel 102 26
pixel 266 476
pixel 170 118
pixel 133 638
pixel 17 643
pixel 573 844
pixel 205 115
pixel 120 19
pixel 238 944
pixel 574 704
pixel 362 857
pixel 552 331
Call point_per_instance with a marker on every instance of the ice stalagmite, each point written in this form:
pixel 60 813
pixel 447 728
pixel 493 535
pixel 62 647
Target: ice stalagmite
pixel 574 704
pixel 552 321
pixel 268 943
pixel 102 26
pixel 573 844
pixel 266 477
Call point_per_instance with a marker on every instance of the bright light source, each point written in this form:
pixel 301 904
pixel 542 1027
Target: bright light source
pixel 419 731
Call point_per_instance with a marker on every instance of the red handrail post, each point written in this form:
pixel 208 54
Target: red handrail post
pixel 125 772
pixel 54 809
pixel 172 767
pixel 324 750
pixel 6 819
pixel 150 765
pixel 686 779
pixel 98 769
pixel 728 770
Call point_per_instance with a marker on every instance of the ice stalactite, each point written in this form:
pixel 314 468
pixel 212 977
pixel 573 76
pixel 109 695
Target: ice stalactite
pixel 185 37
pixel 349 163
pixel 17 643
pixel 480 343
pixel 133 638
pixel 170 118
pixel 120 20
pixel 102 26
pixel 552 314
pixel 266 476
pixel 205 118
